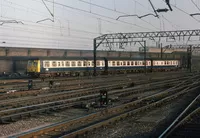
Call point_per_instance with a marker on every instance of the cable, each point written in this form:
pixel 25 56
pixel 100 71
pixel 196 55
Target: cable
pixel 195 5
pixel 75 30
pixel 153 9
pixel 52 14
pixel 60 4
pixel 72 36
pixel 171 23
pixel 43 42
pixel 40 46
pixel 142 5
pixel 44 15
pixel 114 11
pixel 183 11
pixel 2 22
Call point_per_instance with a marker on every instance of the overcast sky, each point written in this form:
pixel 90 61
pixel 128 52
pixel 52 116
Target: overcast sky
pixel 77 22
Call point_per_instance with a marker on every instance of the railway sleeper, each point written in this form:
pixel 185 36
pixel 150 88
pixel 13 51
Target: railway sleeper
pixel 143 108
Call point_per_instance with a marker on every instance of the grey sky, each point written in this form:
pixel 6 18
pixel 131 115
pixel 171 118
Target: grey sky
pixel 77 23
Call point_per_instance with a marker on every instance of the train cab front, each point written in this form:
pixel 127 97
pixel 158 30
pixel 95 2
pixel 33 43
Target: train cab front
pixel 33 68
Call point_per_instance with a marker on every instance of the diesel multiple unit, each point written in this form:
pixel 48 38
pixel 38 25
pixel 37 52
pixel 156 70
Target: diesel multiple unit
pixel 84 67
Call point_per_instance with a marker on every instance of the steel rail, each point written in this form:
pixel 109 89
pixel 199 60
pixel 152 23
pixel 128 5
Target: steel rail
pixel 120 108
pixel 69 94
pixel 6 114
pixel 178 119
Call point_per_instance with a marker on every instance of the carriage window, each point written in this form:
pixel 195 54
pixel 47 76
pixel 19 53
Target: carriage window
pixel 103 64
pixel 113 63
pixel 168 63
pixel 79 63
pixel 132 63
pixel 121 63
pixel 128 63
pixel 118 63
pixel 63 63
pixel 124 63
pixel 98 63
pixel 59 64
pixel 46 64
pixel 89 63
pixel 142 62
pixel 85 63
pixel 67 63
pixel 73 63
pixel 136 63
pixel 165 62
pixel 54 64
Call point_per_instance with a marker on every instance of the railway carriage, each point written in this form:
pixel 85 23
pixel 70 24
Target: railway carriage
pixel 74 67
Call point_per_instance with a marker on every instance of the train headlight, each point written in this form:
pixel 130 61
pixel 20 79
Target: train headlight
pixel 47 69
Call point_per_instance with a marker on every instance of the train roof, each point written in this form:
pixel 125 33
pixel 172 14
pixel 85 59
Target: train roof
pixel 98 58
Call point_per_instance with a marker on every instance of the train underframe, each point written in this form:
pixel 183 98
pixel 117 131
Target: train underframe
pixel 104 72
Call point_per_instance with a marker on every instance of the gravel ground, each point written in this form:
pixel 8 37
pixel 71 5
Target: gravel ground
pixel 137 126
pixel 39 121
pixel 44 120
pixel 149 124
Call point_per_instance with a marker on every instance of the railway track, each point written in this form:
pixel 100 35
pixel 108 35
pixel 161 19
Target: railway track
pixel 63 90
pixel 187 124
pixel 110 115
pixel 12 110
pixel 80 85
pixel 17 113
pixel 21 80
pixel 38 84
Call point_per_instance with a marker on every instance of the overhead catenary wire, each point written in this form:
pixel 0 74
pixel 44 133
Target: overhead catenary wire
pixel 195 5
pixel 43 42
pixel 153 11
pixel 100 15
pixel 97 18
pixel 2 22
pixel 45 46
pixel 52 14
pixel 175 6
pixel 44 14
pixel 55 27
pixel 99 6
pixel 142 16
pixel 39 13
pixel 72 36
pixel 101 19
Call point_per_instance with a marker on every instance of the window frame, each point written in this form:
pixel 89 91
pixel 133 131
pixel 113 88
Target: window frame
pixel 67 63
pixel 54 64
pixel 73 63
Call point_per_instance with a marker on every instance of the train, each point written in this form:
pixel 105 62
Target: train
pixel 82 67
